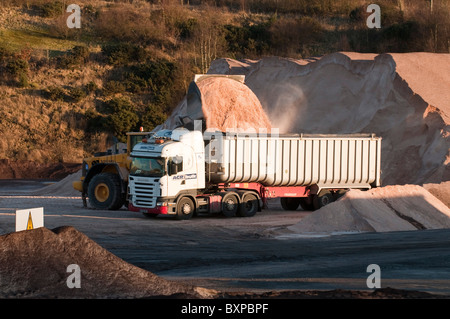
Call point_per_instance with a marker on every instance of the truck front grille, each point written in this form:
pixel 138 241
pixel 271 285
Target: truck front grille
pixel 145 194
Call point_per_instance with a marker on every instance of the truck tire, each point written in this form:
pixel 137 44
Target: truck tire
pixel 290 203
pixel 104 191
pixel 185 208
pixel 339 193
pixel 306 203
pixel 248 206
pixel 324 198
pixel 230 204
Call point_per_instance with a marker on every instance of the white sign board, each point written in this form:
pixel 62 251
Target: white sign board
pixel 29 218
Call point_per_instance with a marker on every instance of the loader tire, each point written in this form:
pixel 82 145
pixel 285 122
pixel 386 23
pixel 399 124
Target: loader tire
pixel 104 192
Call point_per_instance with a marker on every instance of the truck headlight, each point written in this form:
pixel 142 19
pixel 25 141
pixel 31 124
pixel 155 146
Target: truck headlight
pixel 161 204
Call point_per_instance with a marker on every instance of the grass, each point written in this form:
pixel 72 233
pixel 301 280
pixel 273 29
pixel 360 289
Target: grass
pixel 16 40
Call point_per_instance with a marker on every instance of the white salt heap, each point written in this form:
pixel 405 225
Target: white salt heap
pixel 404 98
pixel 390 208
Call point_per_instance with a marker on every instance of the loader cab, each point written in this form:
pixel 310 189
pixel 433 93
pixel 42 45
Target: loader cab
pixel 134 138
pixel 117 147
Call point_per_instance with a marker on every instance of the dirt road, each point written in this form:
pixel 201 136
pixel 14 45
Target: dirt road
pixel 245 254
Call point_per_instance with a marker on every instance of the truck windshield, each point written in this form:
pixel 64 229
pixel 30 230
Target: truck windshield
pixel 147 166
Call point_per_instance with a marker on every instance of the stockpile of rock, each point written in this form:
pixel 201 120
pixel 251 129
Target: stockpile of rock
pixel 35 264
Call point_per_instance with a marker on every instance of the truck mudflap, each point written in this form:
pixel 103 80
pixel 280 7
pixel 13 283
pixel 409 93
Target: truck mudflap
pixel 154 211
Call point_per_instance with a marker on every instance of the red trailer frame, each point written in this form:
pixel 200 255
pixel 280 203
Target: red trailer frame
pixel 272 191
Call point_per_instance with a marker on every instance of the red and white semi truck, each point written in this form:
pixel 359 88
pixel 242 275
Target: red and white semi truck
pixel 181 172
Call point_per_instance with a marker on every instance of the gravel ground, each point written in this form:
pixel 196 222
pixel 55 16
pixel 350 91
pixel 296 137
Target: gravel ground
pixel 247 257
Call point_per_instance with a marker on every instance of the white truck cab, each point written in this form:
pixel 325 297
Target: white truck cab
pixel 168 164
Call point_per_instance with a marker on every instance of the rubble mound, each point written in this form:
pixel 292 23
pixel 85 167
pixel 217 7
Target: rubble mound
pixel 389 208
pixel 34 264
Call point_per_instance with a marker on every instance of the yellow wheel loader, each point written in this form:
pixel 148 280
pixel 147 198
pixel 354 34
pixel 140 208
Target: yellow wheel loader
pixel 104 177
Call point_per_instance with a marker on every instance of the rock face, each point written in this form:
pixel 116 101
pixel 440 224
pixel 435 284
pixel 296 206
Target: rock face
pixel 34 264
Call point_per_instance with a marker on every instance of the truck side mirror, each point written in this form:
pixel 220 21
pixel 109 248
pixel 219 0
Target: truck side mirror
pixel 173 168
pixel 175 165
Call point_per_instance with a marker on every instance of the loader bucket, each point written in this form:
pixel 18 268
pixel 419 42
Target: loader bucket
pixel 194 109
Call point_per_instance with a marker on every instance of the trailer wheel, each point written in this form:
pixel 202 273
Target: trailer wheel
pixel 230 204
pixel 104 191
pixel 185 208
pixel 249 206
pixel 290 203
pixel 339 193
pixel 324 198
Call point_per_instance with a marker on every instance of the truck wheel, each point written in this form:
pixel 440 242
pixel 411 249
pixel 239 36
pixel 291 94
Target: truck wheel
pixel 185 208
pixel 290 203
pixel 249 206
pixel 323 199
pixel 230 204
pixel 104 191
pixel 306 203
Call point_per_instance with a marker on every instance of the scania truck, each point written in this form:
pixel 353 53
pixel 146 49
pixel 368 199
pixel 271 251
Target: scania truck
pixel 186 172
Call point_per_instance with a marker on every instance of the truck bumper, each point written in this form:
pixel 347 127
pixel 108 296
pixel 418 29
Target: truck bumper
pixel 156 211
